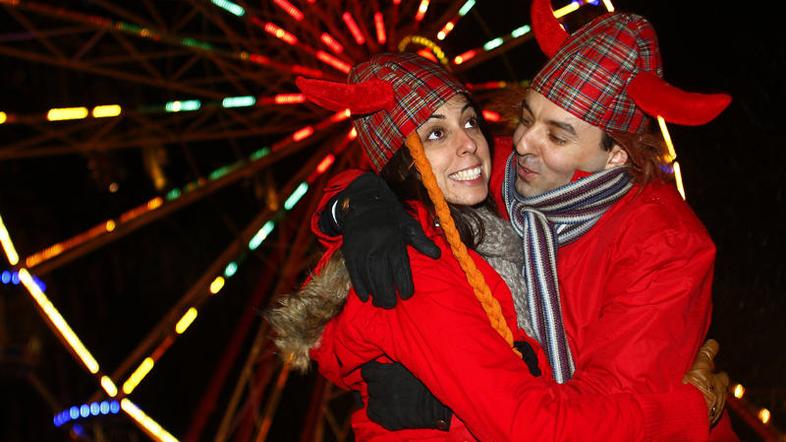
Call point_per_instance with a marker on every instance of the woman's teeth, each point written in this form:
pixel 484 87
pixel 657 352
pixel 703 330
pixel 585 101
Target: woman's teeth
pixel 466 174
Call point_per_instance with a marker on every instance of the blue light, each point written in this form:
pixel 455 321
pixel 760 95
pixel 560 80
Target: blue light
pixel 15 278
pixel 114 407
pixel 94 409
pixel 84 410
pixel 57 421
pixel 230 269
pixel 6 277
pixel 296 195
pixel 104 407
pixel 40 283
pixel 74 412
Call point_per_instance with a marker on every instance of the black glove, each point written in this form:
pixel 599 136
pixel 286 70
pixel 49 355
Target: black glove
pixel 398 400
pixel 376 231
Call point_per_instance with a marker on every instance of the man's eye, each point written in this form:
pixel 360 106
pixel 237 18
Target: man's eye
pixel 524 121
pixel 557 140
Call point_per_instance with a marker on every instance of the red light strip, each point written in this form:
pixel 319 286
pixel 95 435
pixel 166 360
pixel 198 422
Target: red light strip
pixel 465 56
pixel 302 134
pixel 279 33
pixel 353 28
pixel 379 23
pixel 333 61
pixel 331 43
pixel 289 9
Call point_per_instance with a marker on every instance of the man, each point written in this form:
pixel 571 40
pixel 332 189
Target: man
pixel 618 269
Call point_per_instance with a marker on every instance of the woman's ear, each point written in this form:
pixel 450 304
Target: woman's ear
pixel 617 157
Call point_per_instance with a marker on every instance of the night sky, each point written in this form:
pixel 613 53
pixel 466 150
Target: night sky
pixel 733 171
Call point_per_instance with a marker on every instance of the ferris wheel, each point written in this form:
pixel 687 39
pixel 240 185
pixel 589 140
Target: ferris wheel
pixel 187 76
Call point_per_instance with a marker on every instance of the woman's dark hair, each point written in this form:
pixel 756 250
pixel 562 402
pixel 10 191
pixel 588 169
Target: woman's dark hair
pixel 404 180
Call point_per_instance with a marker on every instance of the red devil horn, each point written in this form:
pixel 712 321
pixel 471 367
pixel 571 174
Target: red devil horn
pixel 656 97
pixel 361 98
pixel 548 32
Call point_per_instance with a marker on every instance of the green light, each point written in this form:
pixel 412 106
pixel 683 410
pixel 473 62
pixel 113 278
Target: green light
pixel 493 44
pixel 261 235
pixel 467 6
pixel 173 194
pixel 260 153
pixel 244 101
pixel 196 44
pixel 518 32
pixel 230 7
pixel 296 195
pixel 230 269
pixel 221 171
pixel 182 106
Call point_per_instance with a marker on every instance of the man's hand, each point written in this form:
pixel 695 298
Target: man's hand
pixel 376 231
pixel 714 386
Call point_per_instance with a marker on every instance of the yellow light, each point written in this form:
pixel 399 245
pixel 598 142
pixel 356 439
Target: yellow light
pixel 109 387
pixel 565 10
pixel 678 178
pixel 136 377
pixel 184 322
pixel 151 427
pixel 58 321
pixel 3 117
pixel 608 5
pixel 155 203
pixel 667 138
pixel 739 391
pixel 108 110
pixel 8 245
pixel 217 285
pixel 764 415
pixel 67 113
pixel 110 225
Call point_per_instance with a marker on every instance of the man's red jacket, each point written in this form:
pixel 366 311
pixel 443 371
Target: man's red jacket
pixel 442 335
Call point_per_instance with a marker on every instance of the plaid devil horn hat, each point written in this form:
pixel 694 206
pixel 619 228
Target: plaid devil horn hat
pixel 389 96
pixel 608 73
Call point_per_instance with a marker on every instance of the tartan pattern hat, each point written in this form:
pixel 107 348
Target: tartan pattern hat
pixel 389 95
pixel 608 73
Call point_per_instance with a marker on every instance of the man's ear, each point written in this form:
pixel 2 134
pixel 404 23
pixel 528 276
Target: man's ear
pixel 617 157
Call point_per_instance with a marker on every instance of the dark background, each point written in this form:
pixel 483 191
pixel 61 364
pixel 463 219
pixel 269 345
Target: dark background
pixel 733 171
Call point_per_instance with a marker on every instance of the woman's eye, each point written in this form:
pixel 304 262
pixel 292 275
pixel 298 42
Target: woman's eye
pixel 435 134
pixel 471 123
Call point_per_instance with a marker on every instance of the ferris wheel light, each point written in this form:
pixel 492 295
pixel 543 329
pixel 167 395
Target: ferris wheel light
pixel 289 9
pixel 242 101
pixel 465 56
pixel 8 245
pixel 518 32
pixel 67 113
pixel 296 195
pixel 422 10
pixel 107 110
pixel 445 30
pixel 353 28
pixel 333 61
pixel 185 321
pixel 331 43
pixel 230 7
pixel 217 285
pixel 148 424
pixel 495 43
pixel 379 24
pixel 302 134
pixel 3 117
pixel 280 33
pixel 466 8
pixel 567 9
pixel 491 116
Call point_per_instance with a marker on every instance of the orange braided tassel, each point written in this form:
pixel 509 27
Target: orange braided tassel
pixel 476 280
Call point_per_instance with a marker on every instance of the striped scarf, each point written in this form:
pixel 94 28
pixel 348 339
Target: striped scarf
pixel 567 213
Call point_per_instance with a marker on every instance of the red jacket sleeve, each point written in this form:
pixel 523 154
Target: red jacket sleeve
pixel 657 308
pixel 443 336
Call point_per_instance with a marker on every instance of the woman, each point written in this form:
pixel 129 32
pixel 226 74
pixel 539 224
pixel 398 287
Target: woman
pixel 460 348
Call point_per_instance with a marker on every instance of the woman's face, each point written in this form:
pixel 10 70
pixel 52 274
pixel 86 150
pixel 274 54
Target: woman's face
pixel 458 152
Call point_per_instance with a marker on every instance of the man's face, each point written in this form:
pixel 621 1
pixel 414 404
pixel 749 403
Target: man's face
pixel 551 144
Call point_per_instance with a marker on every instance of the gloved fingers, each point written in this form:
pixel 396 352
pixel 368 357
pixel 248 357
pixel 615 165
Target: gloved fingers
pixel 420 241
pixel 356 272
pixel 383 294
pixel 708 352
pixel 402 274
